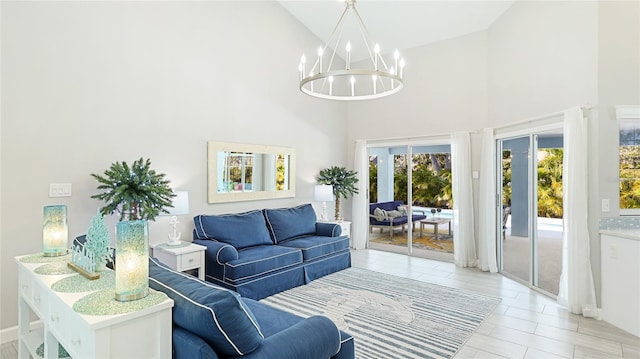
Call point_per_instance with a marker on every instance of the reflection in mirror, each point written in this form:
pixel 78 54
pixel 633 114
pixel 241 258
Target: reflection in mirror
pixel 239 172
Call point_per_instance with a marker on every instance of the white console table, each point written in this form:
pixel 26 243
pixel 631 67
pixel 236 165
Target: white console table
pixel 143 333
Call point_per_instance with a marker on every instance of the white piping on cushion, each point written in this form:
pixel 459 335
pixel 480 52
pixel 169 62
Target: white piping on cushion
pixel 220 250
pixel 255 325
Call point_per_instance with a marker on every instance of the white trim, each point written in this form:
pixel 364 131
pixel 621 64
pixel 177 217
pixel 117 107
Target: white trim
pixel 628 112
pixel 406 141
pixel 12 333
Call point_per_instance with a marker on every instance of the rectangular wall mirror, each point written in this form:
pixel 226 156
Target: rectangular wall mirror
pixel 243 172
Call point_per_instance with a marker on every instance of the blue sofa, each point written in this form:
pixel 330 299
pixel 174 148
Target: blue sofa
pixel 384 220
pixel 213 322
pixel 263 252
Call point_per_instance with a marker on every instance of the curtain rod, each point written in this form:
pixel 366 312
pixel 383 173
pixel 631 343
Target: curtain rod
pixel 539 118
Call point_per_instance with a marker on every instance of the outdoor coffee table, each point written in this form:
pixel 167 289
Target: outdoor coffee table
pixel 435 222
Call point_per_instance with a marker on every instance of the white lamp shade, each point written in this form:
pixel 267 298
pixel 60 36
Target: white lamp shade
pixel 323 193
pixel 180 204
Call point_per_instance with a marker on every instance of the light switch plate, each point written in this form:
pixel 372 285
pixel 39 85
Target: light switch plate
pixel 60 190
pixel 605 205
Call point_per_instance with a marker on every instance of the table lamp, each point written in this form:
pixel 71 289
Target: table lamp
pixel 132 258
pixel 54 231
pixel 323 193
pixel 180 207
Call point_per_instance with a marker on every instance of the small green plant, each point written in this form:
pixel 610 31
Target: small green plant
pixel 343 182
pixel 136 192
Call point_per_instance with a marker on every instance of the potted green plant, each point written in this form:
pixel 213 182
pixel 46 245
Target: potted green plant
pixel 343 182
pixel 136 192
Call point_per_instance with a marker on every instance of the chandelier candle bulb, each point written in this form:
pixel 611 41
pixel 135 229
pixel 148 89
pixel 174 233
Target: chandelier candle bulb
pixel 348 55
pixel 353 86
pixel 375 79
pixel 396 56
pixel 320 59
pixel 392 82
pixel 330 85
pixel 376 50
pixel 303 62
pixel 401 68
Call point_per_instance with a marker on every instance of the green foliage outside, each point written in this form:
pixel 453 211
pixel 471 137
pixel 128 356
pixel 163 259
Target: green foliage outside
pixel 431 179
pixel 549 182
pixel 630 176
pixel 280 173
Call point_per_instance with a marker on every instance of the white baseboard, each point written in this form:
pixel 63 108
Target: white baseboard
pixel 10 334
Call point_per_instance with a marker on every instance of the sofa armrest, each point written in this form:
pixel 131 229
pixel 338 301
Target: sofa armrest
pixel 187 345
pixel 328 229
pixel 219 252
pixel 313 338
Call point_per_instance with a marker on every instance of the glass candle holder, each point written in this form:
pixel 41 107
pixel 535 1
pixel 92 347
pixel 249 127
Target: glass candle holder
pixel 55 233
pixel 132 260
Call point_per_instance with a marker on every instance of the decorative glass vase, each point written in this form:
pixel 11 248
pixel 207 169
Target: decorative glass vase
pixel 132 258
pixel 54 231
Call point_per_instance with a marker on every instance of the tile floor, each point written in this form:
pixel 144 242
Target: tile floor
pixel 526 324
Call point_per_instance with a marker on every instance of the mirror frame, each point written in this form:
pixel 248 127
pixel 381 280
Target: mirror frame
pixel 213 147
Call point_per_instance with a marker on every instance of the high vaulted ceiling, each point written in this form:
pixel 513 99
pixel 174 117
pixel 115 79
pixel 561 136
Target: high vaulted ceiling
pixel 401 24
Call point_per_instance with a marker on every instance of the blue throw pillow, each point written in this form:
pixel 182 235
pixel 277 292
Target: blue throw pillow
pixel 240 230
pixel 287 223
pixel 215 314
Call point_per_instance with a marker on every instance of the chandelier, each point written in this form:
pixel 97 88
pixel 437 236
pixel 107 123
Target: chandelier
pixel 347 81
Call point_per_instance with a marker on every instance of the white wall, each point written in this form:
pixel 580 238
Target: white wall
pixel 445 91
pixel 88 84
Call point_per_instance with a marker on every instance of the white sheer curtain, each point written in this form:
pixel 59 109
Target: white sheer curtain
pixel 487 228
pixel 464 247
pixel 577 291
pixel 359 210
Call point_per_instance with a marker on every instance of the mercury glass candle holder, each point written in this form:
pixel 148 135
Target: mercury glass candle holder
pixel 55 233
pixel 132 260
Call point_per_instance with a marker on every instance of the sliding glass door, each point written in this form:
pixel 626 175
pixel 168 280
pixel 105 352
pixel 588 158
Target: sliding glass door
pixel 530 173
pixel 418 179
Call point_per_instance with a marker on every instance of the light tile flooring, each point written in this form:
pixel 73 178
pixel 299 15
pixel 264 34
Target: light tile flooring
pixel 526 324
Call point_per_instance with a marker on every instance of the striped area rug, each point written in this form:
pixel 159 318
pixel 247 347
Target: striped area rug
pixel 390 316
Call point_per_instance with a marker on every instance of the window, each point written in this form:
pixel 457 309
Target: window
pixel 629 158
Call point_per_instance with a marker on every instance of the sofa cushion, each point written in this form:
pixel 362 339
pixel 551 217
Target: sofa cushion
pixel 258 261
pixel 314 247
pixel 287 223
pixel 215 314
pixel 240 230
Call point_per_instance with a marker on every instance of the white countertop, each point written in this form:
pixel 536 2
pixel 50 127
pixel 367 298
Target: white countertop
pixel 630 233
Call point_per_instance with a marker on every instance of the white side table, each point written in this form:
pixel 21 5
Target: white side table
pixel 346 228
pixel 182 257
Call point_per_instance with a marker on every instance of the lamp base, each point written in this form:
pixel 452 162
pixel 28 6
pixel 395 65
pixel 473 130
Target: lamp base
pixel 133 296
pixel 174 243
pixel 55 253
